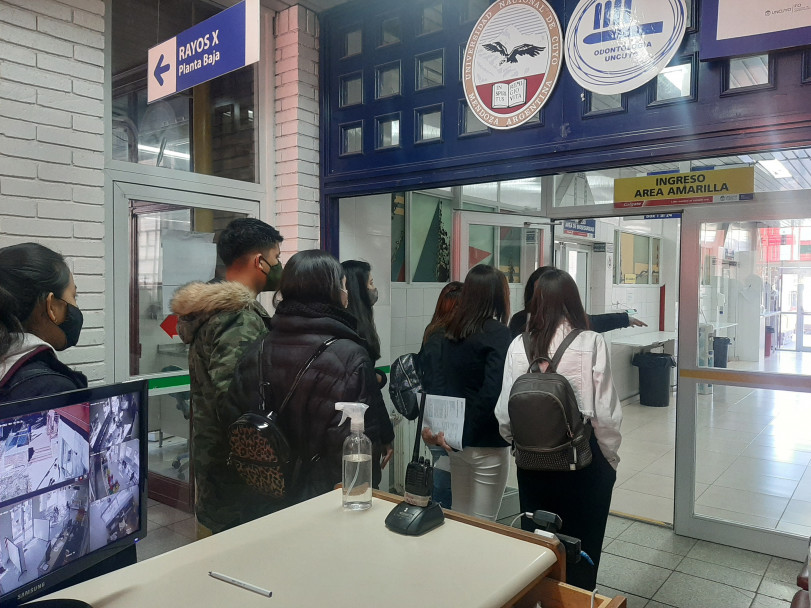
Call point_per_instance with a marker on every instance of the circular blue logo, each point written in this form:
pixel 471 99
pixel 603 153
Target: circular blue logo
pixel 617 46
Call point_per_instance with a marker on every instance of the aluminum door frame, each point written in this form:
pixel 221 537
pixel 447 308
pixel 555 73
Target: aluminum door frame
pixel 767 206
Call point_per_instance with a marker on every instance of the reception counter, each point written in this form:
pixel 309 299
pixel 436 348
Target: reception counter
pixel 316 554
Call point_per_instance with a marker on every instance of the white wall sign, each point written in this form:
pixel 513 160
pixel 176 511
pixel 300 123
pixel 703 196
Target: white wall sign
pixel 615 47
pixel 738 18
pixel 512 62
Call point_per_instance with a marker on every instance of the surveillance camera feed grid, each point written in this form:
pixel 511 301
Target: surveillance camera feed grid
pixel 68 485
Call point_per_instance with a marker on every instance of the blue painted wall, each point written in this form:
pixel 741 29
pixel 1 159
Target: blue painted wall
pixel 565 139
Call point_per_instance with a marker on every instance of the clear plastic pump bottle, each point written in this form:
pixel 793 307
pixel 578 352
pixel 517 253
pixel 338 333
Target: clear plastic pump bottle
pixel 357 459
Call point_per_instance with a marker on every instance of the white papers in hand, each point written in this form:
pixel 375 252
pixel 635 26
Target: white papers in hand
pixel 445 415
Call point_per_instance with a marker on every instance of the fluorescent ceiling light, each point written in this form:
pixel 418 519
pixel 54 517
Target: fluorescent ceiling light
pixel 776 168
pixel 171 153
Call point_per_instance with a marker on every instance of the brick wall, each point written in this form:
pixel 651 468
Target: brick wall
pixel 52 147
pixel 296 124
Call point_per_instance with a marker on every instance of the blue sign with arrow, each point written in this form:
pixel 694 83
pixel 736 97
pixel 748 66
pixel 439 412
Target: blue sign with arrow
pixel 226 42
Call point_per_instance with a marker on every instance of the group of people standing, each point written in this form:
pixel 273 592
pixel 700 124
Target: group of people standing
pixel 471 349
pixel 223 323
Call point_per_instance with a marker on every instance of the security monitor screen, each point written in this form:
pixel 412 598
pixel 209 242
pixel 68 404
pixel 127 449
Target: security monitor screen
pixel 69 485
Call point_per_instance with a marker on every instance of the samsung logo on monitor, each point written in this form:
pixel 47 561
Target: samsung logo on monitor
pixel 28 592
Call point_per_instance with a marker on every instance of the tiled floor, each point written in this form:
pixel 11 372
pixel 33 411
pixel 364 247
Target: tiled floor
pixel 167 529
pixel 648 564
pixel 753 459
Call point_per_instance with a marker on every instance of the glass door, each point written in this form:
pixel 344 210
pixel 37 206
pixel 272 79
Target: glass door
pixel 743 448
pixel 164 239
pixel 575 259
pixel 514 244
pixel 794 296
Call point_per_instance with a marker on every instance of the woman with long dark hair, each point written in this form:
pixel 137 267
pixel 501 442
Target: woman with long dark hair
pixel 39 317
pixel 599 323
pixel 432 338
pixel 470 364
pixel 363 295
pixel 310 309
pixel 582 498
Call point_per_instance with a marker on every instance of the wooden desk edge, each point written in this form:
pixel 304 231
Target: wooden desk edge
pixel 549 585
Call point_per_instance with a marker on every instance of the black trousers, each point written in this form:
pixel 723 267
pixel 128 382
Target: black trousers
pixel 582 499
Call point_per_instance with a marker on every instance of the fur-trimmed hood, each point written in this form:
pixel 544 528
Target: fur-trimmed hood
pixel 197 302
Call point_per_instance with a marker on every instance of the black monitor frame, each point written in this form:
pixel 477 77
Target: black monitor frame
pixel 48 582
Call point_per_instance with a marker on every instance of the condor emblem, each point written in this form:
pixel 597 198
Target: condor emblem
pixel 512 61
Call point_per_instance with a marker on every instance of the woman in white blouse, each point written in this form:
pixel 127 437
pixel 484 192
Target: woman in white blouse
pixel 582 498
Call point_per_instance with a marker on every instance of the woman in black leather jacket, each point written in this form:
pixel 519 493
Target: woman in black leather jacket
pixel 310 309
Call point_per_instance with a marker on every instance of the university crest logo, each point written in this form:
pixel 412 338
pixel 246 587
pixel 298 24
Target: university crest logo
pixel 512 62
pixel 616 46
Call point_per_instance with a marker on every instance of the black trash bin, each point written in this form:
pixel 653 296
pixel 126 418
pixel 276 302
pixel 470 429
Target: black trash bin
pixel 654 378
pixel 720 348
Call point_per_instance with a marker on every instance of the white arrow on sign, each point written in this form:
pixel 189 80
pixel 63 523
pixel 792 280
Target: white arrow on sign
pixel 162 70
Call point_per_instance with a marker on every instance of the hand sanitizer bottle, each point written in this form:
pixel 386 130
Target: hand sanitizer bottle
pixel 357 459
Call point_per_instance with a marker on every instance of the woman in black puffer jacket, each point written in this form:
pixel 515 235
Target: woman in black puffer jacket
pixel 311 308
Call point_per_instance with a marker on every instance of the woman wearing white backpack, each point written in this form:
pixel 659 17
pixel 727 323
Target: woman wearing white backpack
pixel 582 497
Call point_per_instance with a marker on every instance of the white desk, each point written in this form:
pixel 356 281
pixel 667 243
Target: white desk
pixel 642 339
pixel 315 554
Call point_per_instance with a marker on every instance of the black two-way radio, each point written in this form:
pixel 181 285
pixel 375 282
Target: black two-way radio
pixel 417 514
pixel 419 478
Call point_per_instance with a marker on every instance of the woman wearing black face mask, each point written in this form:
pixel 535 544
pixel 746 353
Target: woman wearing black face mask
pixel 38 316
pixel 363 294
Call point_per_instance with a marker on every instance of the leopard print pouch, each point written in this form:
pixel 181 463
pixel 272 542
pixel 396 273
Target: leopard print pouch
pixel 258 449
pixel 260 454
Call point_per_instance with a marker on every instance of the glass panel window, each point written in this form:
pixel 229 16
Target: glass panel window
pixel 633 259
pixel 398 237
pixel 163 133
pixel 388 131
pixel 745 72
pixel 431 227
pixel 351 90
pixel 520 195
pixel 656 248
pixel 755 290
pixel 429 124
pixel 470 124
pixel 390 31
pixel 674 82
pixel 353 43
pixel 509 253
pixel 473 9
pixel 164 236
pixel 431 18
pixel 604 103
pixel 429 70
pixel 751 445
pixel 486 192
pixel 352 138
pixel 387 80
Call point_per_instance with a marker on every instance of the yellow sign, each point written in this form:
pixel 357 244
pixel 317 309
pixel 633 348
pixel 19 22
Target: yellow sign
pixel 716 186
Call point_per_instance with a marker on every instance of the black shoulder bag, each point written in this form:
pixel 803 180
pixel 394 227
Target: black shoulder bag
pixel 259 450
